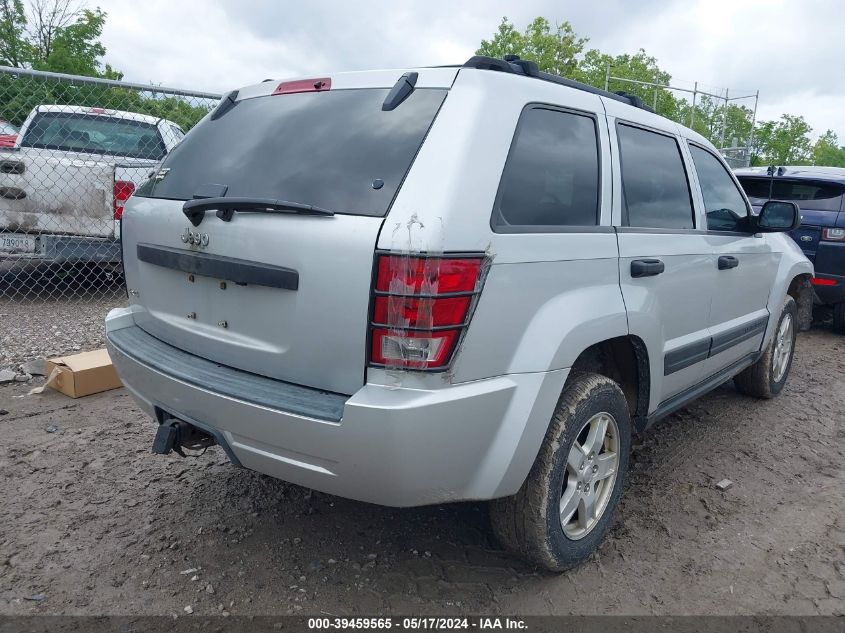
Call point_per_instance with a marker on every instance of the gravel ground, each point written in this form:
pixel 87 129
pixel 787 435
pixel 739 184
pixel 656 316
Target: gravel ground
pixel 94 524
pixel 43 327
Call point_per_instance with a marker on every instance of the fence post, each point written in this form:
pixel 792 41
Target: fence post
pixel 724 121
pixel 607 78
pixel 753 123
pixel 692 112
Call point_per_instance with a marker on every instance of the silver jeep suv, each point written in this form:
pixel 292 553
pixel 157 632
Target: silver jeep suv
pixel 445 284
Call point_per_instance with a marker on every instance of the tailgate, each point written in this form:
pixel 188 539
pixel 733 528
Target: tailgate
pixel 50 192
pixel 248 313
pixel 808 235
pixel 281 294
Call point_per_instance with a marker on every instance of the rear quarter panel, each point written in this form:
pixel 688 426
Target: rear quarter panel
pixel 547 296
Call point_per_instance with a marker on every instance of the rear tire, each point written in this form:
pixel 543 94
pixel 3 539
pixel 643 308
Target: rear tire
pixel 766 377
pixel 839 318
pixel 560 515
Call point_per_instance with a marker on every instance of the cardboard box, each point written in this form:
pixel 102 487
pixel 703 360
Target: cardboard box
pixel 82 374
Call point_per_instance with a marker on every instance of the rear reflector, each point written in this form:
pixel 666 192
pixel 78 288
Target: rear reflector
pixel 421 307
pixel 821 281
pixel 123 190
pixel 319 84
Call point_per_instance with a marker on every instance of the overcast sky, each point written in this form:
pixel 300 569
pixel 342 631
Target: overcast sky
pixel 791 51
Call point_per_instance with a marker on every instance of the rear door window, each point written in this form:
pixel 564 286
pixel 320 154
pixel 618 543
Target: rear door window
pixel 94 134
pixel 551 177
pixel 655 189
pixel 809 194
pixel 335 149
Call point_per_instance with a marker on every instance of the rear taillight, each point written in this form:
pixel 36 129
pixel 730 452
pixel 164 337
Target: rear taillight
pixel 421 306
pixel 123 190
pixel 821 281
pixel 833 235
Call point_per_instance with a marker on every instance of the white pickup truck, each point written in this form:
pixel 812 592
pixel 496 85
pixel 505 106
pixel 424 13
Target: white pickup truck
pixel 64 183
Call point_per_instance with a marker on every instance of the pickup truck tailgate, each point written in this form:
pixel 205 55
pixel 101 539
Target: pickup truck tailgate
pixel 43 191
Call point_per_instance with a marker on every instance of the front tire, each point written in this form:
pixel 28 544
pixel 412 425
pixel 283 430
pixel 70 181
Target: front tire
pixel 766 377
pixel 562 511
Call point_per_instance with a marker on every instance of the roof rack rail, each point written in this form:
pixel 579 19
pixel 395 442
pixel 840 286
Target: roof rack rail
pixel 513 64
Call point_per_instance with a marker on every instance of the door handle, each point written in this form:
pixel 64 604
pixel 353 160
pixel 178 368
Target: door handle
pixel 646 267
pixel 728 261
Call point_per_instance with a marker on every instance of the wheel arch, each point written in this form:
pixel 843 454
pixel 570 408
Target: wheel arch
pixel 625 360
pixel 801 289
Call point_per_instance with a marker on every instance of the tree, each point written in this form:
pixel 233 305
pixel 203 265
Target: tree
pixel 46 20
pixel 827 151
pixel 15 48
pixel 75 48
pixel 555 50
pixel 559 50
pixel 783 142
pixel 61 36
pixel 57 35
pixel 641 66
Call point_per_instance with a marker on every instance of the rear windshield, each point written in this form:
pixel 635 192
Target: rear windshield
pixel 94 134
pixel 809 194
pixel 336 149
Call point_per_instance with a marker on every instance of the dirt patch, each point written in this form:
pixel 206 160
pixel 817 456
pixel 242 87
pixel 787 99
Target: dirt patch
pixel 95 524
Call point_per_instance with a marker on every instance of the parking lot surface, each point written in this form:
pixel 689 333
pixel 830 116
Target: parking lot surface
pixel 95 524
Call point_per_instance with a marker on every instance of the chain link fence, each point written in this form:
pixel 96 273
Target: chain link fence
pixel 72 150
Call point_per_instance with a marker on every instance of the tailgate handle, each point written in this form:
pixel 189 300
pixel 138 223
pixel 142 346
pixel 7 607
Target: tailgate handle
pixel 646 267
pixel 728 261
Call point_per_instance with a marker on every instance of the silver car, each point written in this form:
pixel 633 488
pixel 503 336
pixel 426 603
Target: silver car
pixel 444 284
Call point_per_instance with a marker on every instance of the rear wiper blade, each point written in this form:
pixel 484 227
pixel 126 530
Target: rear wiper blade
pixel 195 210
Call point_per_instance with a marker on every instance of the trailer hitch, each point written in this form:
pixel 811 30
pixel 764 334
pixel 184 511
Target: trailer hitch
pixel 175 435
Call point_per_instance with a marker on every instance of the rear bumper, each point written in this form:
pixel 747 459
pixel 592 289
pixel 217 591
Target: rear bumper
pixel 830 295
pixel 830 264
pixel 61 249
pixel 389 445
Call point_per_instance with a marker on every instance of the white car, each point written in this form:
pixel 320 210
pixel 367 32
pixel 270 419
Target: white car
pixel 444 284
pixel 64 183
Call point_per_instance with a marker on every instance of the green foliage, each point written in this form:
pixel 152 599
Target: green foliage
pixel 61 40
pixel 21 94
pixel 560 51
pixel 15 48
pixel 827 151
pixel 76 48
pixel 555 50
pixel 782 142
pixel 593 70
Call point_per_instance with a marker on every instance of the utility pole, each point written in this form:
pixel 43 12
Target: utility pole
pixel 724 121
pixel 753 123
pixel 692 112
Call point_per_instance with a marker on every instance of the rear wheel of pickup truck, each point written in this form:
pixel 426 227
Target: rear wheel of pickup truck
pixel 561 513
pixel 766 377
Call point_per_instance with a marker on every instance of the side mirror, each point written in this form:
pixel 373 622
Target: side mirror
pixel 777 216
